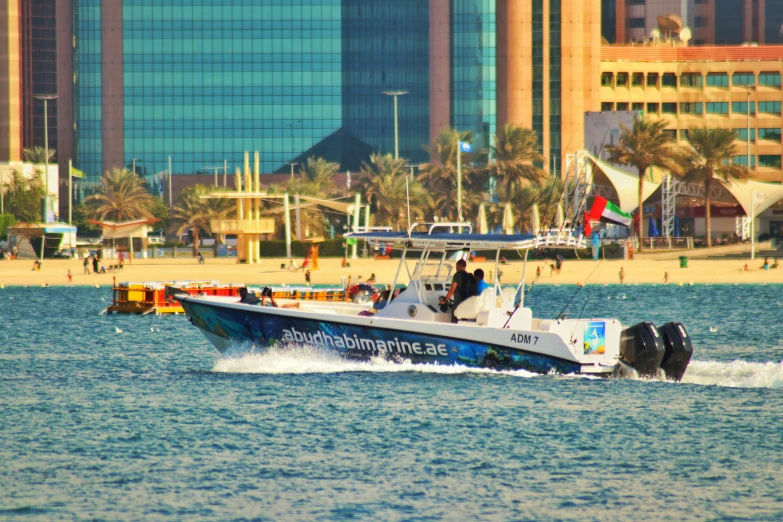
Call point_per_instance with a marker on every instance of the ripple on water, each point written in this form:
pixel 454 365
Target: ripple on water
pixel 155 425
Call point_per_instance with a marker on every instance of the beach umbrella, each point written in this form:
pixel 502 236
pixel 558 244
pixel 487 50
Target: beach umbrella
pixel 535 217
pixel 482 220
pixel 559 218
pixel 508 220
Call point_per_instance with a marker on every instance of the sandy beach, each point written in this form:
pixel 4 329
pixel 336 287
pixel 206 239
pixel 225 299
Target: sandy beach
pixel 639 271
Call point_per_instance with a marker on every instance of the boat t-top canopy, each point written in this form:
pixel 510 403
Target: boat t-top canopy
pixel 439 240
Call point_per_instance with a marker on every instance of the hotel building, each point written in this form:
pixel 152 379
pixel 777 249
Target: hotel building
pixel 715 87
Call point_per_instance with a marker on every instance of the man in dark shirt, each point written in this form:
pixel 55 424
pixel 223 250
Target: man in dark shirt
pixel 247 298
pixel 457 282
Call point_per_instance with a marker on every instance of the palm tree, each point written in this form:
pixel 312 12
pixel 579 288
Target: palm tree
pixel 710 159
pixel 383 181
pixel 643 146
pixel 320 174
pixel 440 176
pixel 37 155
pixel 192 212
pixel 122 195
pixel 522 199
pixel 516 153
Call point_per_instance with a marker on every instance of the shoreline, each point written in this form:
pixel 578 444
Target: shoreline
pixel 18 273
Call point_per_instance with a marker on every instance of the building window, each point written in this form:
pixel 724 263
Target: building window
pixel 700 22
pixel 769 79
pixel 607 106
pixel 637 79
pixel 669 108
pixel 769 160
pixel 622 106
pixel 669 80
pixel 717 107
pixel 742 134
pixel 741 108
pixel 700 2
pixel 652 80
pixel 743 160
pixel 770 134
pixel 770 107
pixel 636 23
pixel 637 106
pixel 717 80
pixel 636 2
pixel 691 108
pixel 742 79
pixel 690 80
pixel 622 79
pixel 652 108
pixel 606 79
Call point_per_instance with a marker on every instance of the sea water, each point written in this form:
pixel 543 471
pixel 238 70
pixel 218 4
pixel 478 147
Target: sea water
pixel 138 417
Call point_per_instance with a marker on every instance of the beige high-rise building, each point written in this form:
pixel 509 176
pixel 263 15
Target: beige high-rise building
pixel 732 87
pixel 11 82
pixel 548 62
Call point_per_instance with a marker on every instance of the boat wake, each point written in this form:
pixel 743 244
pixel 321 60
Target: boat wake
pixel 303 360
pixel 295 360
pixel 735 374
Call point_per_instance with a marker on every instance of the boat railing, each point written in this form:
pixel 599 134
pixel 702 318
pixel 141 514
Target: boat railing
pixel 445 224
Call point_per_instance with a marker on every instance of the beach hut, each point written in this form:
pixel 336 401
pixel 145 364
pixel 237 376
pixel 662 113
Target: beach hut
pixel 128 237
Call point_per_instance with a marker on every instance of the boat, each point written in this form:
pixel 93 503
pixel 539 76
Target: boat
pixel 148 297
pixel 494 330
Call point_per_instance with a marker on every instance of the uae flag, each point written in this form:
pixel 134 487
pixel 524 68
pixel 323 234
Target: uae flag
pixel 606 212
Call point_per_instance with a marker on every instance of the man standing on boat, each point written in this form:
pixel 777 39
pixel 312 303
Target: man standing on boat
pixel 461 285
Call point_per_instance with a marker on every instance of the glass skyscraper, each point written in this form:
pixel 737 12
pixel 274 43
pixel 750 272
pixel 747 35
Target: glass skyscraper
pixel 474 88
pixel 87 101
pixel 204 81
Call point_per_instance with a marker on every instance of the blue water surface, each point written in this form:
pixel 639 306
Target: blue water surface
pixel 138 417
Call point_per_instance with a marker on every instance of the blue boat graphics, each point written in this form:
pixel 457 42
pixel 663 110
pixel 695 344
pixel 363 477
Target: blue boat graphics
pixel 264 330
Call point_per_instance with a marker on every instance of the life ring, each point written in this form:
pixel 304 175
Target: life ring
pixel 362 293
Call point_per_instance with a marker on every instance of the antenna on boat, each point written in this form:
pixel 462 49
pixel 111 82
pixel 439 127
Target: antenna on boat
pixel 408 200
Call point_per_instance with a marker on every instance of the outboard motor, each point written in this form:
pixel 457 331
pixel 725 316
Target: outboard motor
pixel 678 350
pixel 641 347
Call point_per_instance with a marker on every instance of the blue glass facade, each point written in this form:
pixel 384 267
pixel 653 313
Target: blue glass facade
pixel 538 69
pixel 206 82
pixel 88 154
pixel 555 98
pixel 474 70
pixel 386 48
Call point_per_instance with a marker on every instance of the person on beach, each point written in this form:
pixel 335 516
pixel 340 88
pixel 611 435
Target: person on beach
pixel 551 269
pixel 70 278
pixel 765 266
pixel 121 258
pixel 538 272
pixel 36 266
pixel 307 278
pixel 86 266
pixel 666 278
pixel 746 268
pixel 775 264
pixel 200 259
pixel 622 275
pixel 558 263
pixel 95 268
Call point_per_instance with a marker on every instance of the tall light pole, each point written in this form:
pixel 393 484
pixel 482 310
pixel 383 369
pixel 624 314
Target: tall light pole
pixel 292 163
pixel 750 88
pixel 216 170
pixel 752 194
pixel 46 158
pixel 395 94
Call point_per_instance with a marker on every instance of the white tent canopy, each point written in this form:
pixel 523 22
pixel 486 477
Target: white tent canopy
pixel 767 194
pixel 625 184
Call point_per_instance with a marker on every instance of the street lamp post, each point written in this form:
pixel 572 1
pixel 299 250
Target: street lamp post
pixel 292 163
pixel 46 158
pixel 395 94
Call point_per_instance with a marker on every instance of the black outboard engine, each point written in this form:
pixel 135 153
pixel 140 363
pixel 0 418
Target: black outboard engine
pixel 641 348
pixel 678 350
